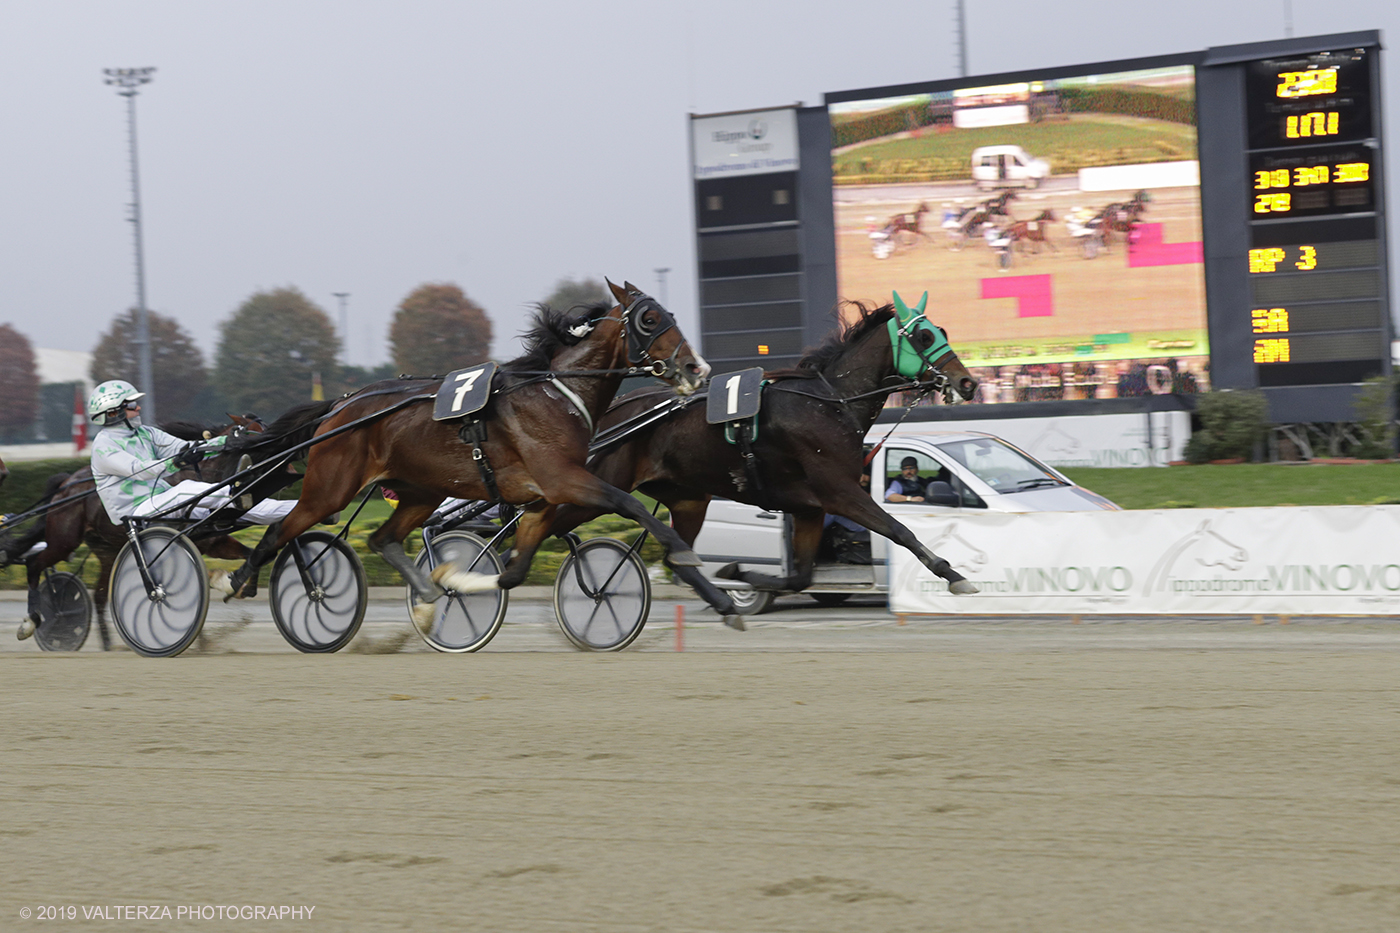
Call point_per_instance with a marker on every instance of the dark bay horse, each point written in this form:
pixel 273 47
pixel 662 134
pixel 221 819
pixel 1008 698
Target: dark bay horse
pixel 77 516
pixel 1123 216
pixel 538 424
pixel 809 444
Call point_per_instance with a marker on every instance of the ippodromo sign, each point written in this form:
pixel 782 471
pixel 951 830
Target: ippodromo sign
pixel 1291 561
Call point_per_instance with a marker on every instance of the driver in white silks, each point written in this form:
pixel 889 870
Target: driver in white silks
pixel 130 462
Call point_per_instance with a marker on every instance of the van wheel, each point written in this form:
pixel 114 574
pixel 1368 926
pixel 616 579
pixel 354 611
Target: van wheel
pixel 751 602
pixel 828 600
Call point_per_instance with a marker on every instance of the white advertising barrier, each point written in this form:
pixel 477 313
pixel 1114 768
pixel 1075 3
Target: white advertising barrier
pixel 1150 175
pixel 1335 560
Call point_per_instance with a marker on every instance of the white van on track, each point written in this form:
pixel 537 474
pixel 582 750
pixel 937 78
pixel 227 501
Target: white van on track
pixel 961 469
pixel 1007 167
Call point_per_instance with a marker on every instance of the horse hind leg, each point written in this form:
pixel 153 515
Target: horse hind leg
pixel 387 542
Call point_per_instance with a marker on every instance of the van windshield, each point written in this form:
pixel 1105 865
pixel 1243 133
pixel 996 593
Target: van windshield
pixel 1001 467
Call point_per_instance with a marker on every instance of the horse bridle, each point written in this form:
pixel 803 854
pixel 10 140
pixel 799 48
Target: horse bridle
pixel 640 337
pixel 904 343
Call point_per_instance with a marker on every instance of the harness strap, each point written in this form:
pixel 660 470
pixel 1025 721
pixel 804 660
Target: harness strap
pixel 474 433
pixel 744 435
pixel 572 396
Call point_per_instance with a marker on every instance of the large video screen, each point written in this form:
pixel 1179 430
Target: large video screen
pixel 1055 224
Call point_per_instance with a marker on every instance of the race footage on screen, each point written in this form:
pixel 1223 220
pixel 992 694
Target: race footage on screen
pixel 1055 224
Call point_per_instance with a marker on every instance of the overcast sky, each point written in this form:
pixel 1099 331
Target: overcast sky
pixel 368 147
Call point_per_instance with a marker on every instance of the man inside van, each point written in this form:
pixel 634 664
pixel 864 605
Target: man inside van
pixel 908 486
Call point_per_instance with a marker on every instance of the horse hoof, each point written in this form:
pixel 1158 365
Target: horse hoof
pixel 736 623
pixel 423 616
pixel 219 583
pixel 447 576
pixel 26 629
pixel 245 590
pixel 963 588
pixel 686 558
pixel 729 571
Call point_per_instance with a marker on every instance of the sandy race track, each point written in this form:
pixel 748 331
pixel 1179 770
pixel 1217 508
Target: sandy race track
pixel 1007 776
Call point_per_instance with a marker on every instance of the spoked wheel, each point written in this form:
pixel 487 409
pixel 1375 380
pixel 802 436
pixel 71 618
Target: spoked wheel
pixel 322 611
pixel 65 613
pixel 462 621
pixel 609 614
pixel 165 619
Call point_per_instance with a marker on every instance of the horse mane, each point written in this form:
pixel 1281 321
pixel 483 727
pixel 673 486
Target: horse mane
pixel 815 361
pixel 295 426
pixel 551 332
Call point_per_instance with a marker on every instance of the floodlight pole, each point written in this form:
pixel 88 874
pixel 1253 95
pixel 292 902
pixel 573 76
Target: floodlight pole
pixel 344 327
pixel 661 284
pixel 1288 19
pixel 961 11
pixel 127 80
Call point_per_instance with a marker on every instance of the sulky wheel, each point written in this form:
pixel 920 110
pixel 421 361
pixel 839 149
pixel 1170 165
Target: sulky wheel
pixel 65 612
pixel 318 593
pixel 462 622
pixel 164 618
pixel 606 609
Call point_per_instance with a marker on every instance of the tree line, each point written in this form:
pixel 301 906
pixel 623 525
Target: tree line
pixel 271 352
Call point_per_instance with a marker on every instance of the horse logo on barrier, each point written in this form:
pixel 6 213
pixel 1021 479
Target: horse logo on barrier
pixel 1055 444
pixel 1205 546
pixel 964 556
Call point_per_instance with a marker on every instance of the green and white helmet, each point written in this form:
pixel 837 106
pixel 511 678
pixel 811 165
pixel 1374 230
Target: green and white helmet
pixel 112 394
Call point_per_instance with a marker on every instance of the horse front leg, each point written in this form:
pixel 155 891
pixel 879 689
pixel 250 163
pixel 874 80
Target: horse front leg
pixel 583 488
pixel 857 505
pixel 806 538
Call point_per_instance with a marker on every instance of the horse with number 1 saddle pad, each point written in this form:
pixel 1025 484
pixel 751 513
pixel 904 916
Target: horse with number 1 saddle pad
pixel 800 452
pixel 524 441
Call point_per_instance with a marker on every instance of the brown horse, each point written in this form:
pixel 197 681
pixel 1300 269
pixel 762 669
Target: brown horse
pixel 537 426
pixel 808 445
pixel 1031 232
pixel 76 516
pixel 910 223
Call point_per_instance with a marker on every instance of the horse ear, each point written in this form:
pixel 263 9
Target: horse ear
pixel 618 293
pixel 631 289
pixel 923 302
pixel 901 310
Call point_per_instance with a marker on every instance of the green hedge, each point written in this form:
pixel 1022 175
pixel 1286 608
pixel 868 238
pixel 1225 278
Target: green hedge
pixel 26 482
pixel 1130 103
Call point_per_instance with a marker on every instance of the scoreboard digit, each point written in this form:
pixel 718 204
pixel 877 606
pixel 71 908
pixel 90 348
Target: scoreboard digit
pixel 1315 264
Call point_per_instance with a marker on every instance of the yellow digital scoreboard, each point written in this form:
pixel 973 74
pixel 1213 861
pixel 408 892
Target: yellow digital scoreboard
pixel 1315 265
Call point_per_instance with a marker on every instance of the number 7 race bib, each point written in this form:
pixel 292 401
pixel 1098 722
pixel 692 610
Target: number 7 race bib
pixel 734 396
pixel 464 392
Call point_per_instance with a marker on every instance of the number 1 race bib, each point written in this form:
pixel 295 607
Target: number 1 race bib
pixel 464 392
pixel 734 396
